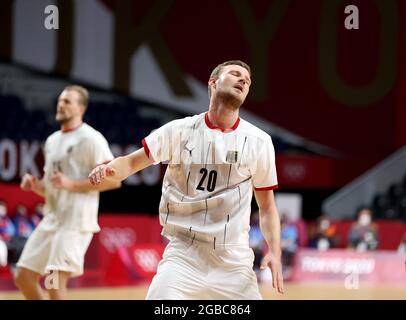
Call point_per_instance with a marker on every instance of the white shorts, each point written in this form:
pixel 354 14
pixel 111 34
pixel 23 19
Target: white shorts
pixel 62 250
pixel 197 271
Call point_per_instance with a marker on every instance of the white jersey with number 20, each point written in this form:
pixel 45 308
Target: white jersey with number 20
pixel 208 185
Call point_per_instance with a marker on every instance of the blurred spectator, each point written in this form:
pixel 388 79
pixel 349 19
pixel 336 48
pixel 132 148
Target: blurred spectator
pixel 289 244
pixel 363 234
pixel 324 237
pixel 7 229
pixel 23 229
pixel 22 222
pixel 38 214
pixel 256 240
pixel 3 254
pixel 402 245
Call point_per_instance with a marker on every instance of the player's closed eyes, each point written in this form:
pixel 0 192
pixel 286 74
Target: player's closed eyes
pixel 238 74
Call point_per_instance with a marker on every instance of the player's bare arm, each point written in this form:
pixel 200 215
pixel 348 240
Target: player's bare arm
pixel 61 181
pixel 32 183
pixel 270 228
pixel 120 168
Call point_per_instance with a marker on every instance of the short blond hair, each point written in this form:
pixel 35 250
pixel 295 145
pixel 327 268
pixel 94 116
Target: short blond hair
pixel 82 91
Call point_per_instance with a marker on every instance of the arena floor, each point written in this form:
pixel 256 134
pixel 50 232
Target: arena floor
pixel 293 291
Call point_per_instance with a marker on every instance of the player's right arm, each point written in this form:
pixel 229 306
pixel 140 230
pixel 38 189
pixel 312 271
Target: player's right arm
pixel 121 167
pixel 31 183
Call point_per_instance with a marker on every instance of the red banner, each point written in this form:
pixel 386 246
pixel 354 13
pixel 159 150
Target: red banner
pixel 137 263
pixel 310 171
pixel 127 248
pixel 13 196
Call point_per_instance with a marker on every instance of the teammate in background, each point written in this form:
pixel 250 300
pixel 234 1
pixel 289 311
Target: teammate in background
pixel 216 160
pixel 59 243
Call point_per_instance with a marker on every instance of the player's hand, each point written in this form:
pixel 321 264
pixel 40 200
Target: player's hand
pixel 61 181
pixel 28 182
pixel 100 173
pixel 275 265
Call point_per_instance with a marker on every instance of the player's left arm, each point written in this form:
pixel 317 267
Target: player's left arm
pixel 271 230
pixel 61 181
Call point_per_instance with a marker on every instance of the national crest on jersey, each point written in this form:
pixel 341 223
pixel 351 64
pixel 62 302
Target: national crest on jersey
pixel 232 156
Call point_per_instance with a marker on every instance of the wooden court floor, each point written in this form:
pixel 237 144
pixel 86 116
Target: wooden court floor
pixel 293 291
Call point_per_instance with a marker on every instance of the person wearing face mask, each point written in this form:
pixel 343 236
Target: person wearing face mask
pixel 363 234
pixel 3 254
pixel 257 241
pixel 289 244
pixel 23 229
pixel 402 244
pixel 7 231
pixel 324 236
pixel 22 222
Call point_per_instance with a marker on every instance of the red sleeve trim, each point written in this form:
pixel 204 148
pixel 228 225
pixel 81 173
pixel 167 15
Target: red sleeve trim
pixel 267 188
pixel 146 149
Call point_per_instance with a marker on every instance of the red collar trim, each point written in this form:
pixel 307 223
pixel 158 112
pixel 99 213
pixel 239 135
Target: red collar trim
pixel 214 127
pixel 71 129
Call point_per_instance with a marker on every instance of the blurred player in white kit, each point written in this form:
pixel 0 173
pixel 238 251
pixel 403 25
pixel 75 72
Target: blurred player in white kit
pixel 216 160
pixel 58 245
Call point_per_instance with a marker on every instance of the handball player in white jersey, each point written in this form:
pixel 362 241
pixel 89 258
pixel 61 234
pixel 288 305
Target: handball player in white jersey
pixel 58 245
pixel 216 161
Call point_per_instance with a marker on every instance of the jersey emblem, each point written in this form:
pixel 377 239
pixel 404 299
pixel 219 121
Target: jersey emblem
pixel 232 156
